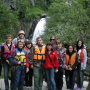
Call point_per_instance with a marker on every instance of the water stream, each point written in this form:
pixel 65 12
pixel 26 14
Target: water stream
pixel 39 29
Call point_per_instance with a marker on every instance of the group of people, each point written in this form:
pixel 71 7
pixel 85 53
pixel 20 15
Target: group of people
pixel 26 60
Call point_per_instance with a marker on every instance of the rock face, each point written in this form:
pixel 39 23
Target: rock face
pixel 28 27
pixel 12 4
pixel 30 30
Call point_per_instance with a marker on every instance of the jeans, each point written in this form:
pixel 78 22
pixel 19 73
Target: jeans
pixel 70 79
pixel 50 73
pixel 80 76
pixel 19 77
pixel 59 78
pixel 38 77
pixel 6 78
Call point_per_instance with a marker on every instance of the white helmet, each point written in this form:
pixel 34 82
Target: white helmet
pixel 21 32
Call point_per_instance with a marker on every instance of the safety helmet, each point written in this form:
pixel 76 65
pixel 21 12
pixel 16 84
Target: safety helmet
pixel 21 32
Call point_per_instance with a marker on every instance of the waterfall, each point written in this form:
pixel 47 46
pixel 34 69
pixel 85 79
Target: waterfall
pixel 39 29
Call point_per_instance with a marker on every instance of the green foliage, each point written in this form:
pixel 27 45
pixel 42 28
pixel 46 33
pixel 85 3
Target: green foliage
pixel 2 74
pixel 88 69
pixel 24 10
pixel 33 13
pixel 8 20
pixel 69 20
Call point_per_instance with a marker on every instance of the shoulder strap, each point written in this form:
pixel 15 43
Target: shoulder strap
pixel 50 60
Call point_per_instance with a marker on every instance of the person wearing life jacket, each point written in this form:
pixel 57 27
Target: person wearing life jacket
pixel 71 65
pixel 28 78
pixel 19 58
pixel 21 36
pixel 38 63
pixel 6 51
pixel 81 50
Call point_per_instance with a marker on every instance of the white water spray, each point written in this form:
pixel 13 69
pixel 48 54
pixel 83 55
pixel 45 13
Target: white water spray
pixel 39 30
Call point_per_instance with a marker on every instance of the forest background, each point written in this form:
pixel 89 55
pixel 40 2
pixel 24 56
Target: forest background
pixel 68 20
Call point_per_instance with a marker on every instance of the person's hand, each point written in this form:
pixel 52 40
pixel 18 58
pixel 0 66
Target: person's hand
pixel 56 71
pixel 79 61
pixel 66 67
pixel 27 70
pixel 7 61
pixel 2 44
pixel 19 62
pixel 70 69
pixel 31 66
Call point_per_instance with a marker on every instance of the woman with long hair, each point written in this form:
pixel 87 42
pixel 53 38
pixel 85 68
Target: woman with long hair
pixel 71 63
pixel 51 65
pixel 29 49
pixel 81 50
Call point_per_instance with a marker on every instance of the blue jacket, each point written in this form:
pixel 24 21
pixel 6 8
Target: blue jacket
pixel 19 56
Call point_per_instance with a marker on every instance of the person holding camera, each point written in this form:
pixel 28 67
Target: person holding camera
pixel 71 65
pixel 61 53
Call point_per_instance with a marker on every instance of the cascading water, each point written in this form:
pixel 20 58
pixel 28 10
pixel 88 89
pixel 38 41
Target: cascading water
pixel 39 30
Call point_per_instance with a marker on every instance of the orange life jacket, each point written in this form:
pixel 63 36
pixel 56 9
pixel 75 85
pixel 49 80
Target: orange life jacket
pixel 39 55
pixel 70 61
pixel 25 49
pixel 7 52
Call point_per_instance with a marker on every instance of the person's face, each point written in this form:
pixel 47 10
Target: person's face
pixel 29 46
pixel 70 49
pixel 79 43
pixel 20 45
pixel 8 39
pixel 21 36
pixel 39 41
pixel 52 40
pixel 59 46
pixel 49 47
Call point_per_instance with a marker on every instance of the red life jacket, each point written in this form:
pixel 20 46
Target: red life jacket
pixel 7 52
pixel 81 57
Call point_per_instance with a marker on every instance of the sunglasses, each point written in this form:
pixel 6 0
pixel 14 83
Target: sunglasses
pixel 52 39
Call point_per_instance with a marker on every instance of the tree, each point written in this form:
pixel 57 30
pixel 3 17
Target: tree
pixel 8 21
pixel 69 20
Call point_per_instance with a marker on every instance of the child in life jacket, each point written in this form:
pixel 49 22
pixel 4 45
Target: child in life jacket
pixel 70 68
pixel 19 58
pixel 6 51
pixel 29 49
